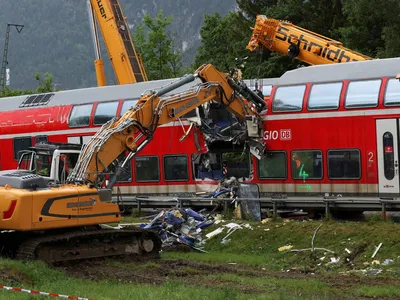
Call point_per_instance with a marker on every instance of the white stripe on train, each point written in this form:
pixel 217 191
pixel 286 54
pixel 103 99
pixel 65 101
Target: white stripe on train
pixel 347 113
pixel 77 131
pixel 270 187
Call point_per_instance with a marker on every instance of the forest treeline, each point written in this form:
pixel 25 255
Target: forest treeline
pixel 371 28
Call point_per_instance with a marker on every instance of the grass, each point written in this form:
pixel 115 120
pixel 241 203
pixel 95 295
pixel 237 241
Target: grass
pixel 45 279
pixel 259 246
pixel 257 249
pixel 378 291
pixel 305 288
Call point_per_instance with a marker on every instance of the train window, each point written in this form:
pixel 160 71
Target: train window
pixel 21 144
pixel 288 98
pixel 105 112
pixel 388 156
pixel 363 93
pixel 272 165
pixel 41 139
pixel 147 168
pixel 176 167
pixel 80 115
pixel 266 90
pixel 392 94
pixel 236 164
pixel 127 105
pixel 306 164
pixel 344 164
pixel 325 96
pixel 207 166
pixel 125 174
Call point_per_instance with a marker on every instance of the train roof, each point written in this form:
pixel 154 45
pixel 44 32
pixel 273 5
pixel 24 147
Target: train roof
pixel 86 95
pixel 321 73
pixel 94 94
pixel 368 69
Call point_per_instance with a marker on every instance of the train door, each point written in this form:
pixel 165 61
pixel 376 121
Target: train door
pixel 388 156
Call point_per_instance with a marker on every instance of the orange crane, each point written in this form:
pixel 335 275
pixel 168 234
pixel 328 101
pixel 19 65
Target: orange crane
pixel 307 46
pixel 127 64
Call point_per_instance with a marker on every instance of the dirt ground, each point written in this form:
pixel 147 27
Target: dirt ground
pixel 160 271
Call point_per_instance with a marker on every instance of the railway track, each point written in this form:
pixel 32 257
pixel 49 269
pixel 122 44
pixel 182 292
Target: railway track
pixel 327 205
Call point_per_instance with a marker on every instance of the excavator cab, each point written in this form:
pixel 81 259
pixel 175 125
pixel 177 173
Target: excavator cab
pixel 52 161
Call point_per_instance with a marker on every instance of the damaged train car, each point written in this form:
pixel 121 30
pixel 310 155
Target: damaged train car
pixel 187 156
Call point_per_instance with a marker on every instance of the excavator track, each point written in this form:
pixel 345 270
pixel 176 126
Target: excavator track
pixel 81 245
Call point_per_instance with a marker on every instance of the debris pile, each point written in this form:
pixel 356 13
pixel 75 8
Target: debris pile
pixel 183 226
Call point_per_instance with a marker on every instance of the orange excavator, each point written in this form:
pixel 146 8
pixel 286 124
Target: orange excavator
pixel 296 42
pixel 62 222
pixel 126 61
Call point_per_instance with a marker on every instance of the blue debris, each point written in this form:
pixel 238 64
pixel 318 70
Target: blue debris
pixel 194 214
pixel 181 226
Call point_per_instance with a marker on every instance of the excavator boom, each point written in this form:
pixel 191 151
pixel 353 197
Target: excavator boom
pixel 136 127
pixel 61 222
pixel 296 42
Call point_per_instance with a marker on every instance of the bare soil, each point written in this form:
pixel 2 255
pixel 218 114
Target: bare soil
pixel 14 277
pixel 159 271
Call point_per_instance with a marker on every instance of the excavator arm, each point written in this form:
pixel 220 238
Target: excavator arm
pixel 296 42
pixel 136 127
pixel 127 64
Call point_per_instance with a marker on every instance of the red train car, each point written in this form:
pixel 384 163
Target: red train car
pixel 164 167
pixel 333 129
pixel 329 129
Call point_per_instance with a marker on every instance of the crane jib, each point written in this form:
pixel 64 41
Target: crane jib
pixel 338 54
pixel 101 8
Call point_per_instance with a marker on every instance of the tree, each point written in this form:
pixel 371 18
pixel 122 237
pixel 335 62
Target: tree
pixel 44 86
pixel 155 45
pixel 372 27
pixel 7 92
pixel 225 38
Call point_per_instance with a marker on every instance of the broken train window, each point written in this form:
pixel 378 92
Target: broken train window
pixel 218 121
pixel 207 166
pixel 237 164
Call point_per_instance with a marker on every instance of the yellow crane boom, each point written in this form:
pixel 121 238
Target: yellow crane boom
pixel 286 38
pixel 127 64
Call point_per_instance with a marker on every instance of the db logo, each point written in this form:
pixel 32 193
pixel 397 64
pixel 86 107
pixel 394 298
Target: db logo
pixel 286 134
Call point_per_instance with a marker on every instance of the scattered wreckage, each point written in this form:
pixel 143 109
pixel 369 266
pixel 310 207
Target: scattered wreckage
pixel 184 226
